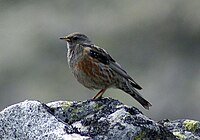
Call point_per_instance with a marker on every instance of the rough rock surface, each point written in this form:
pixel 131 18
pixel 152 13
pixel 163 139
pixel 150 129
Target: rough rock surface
pixel 104 119
pixel 29 120
pixel 184 129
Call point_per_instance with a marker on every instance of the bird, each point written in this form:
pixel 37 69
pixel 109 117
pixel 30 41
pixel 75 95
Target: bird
pixel 95 69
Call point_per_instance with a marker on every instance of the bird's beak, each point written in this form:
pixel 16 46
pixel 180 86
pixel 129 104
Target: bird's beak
pixel 65 38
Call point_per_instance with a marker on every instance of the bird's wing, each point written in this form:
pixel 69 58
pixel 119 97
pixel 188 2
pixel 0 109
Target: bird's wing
pixel 102 56
pixel 117 68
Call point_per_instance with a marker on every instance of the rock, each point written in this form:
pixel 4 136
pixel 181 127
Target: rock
pixel 102 119
pixel 29 120
pixel 184 129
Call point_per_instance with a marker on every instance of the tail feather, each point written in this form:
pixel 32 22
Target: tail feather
pixel 128 88
pixel 140 99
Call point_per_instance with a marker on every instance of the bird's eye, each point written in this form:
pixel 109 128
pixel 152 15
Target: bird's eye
pixel 75 38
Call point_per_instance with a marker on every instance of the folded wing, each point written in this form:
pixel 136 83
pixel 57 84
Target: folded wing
pixel 102 56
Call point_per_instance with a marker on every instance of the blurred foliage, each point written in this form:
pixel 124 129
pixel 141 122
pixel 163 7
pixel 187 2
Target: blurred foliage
pixel 157 42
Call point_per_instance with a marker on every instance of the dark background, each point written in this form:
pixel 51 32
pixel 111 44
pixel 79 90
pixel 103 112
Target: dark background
pixel 156 41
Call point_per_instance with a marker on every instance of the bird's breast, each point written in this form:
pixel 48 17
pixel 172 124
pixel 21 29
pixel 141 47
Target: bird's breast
pixel 89 67
pixel 93 74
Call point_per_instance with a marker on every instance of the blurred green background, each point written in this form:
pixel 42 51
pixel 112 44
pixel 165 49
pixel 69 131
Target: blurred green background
pixel 157 42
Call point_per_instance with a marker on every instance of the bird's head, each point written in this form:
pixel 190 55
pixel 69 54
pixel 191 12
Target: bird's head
pixel 76 38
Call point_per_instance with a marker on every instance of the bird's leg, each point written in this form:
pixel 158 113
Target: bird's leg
pixel 99 94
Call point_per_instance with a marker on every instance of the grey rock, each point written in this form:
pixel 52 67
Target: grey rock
pixel 184 129
pixel 107 119
pixel 29 120
pixel 104 119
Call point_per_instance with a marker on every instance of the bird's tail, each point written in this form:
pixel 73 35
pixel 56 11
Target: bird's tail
pixel 128 88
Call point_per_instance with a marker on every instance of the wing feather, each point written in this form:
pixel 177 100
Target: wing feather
pixel 102 56
pixel 117 68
